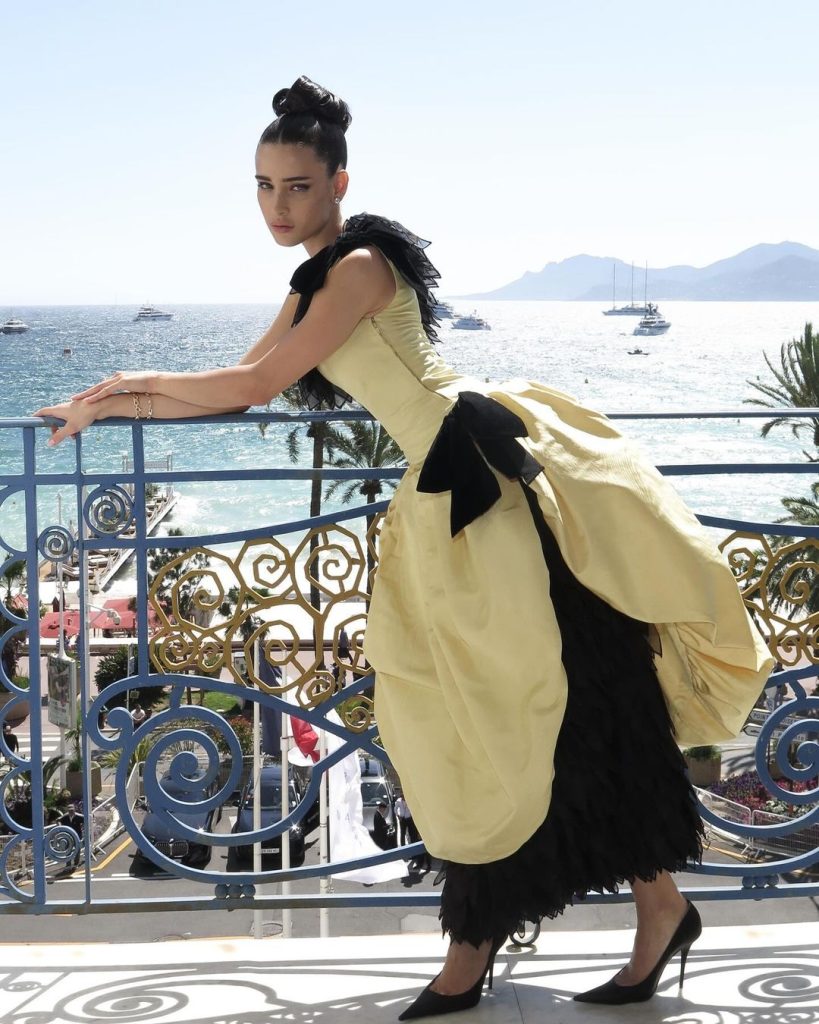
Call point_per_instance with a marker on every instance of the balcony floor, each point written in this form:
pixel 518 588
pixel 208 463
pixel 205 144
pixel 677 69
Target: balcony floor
pixel 767 973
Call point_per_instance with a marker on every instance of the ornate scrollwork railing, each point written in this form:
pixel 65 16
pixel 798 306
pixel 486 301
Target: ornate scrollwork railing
pixel 260 622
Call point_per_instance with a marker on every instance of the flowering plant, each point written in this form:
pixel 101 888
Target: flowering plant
pixel 748 789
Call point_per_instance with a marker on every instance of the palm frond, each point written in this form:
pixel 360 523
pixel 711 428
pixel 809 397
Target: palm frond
pixel 796 383
pixel 294 444
pixel 363 444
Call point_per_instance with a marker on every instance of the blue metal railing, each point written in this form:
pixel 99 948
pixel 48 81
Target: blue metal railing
pixel 111 513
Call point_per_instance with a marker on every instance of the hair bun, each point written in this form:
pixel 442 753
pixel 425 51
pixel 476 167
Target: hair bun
pixel 306 97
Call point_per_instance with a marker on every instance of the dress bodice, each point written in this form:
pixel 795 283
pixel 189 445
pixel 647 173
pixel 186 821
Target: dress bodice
pixel 392 369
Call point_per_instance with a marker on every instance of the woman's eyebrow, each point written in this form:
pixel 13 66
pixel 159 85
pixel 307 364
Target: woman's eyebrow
pixel 295 177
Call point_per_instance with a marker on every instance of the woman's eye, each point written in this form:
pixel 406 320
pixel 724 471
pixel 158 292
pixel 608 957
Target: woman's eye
pixel 262 184
pixel 301 188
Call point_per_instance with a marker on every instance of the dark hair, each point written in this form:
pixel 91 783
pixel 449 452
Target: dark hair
pixel 309 115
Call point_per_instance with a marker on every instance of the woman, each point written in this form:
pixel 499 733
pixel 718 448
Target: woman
pixel 578 622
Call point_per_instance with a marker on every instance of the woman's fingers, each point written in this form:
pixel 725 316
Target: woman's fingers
pixel 80 395
pixel 102 392
pixel 59 434
pixel 55 411
pixel 96 393
pixel 109 382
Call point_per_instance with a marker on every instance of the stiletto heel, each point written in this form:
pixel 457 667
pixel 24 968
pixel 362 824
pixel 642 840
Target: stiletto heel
pixel 683 958
pixel 430 1003
pixel 612 994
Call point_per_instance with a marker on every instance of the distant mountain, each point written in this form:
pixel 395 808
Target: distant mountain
pixel 765 272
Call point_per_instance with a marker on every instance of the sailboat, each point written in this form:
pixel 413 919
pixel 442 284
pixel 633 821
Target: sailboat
pixel 652 323
pixel 631 309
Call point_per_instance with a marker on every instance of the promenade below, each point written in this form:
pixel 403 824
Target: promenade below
pixel 759 973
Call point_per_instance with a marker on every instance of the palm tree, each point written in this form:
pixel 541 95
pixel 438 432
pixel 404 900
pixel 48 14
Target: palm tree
pixel 797 563
pixel 796 384
pixel 363 444
pixel 319 434
pixel 159 563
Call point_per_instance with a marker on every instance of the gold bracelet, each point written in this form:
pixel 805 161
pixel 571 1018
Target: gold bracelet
pixel 150 399
pixel 137 406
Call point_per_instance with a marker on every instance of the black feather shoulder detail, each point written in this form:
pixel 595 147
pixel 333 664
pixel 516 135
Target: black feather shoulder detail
pixel 402 248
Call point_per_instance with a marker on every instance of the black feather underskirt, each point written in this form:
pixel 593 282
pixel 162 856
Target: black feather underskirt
pixel 622 807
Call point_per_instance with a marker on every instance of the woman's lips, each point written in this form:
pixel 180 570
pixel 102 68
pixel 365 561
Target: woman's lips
pixel 282 227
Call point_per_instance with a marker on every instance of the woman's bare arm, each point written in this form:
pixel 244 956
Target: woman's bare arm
pixel 275 332
pixel 357 285
pixel 78 415
pixel 172 408
pixel 163 408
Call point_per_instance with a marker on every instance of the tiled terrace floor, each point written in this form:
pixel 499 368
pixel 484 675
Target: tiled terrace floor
pixel 743 975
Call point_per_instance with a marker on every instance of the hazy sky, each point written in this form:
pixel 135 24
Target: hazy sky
pixel 509 134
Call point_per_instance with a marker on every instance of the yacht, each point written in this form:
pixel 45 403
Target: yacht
pixel 443 310
pixel 632 309
pixel 152 313
pixel 471 323
pixel 14 327
pixel 652 322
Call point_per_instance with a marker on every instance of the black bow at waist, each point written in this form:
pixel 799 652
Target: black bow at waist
pixel 476 433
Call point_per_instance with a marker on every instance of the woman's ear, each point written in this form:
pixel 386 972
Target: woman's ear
pixel 341 181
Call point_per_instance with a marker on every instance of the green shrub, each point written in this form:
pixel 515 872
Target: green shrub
pixel 704 753
pixel 113 667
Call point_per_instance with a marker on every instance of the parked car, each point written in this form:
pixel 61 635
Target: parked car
pixel 375 786
pixel 302 776
pixel 370 767
pixel 373 791
pixel 271 812
pixel 162 834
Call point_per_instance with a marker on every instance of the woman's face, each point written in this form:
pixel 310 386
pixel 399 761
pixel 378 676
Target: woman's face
pixel 297 196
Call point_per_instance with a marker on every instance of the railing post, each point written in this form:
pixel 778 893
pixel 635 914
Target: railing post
pixel 287 916
pixel 324 848
pixel 258 922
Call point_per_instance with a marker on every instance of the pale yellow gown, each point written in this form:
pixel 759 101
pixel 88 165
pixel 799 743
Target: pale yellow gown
pixel 462 635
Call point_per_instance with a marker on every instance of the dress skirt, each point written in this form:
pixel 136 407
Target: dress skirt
pixel 548 624
pixel 621 808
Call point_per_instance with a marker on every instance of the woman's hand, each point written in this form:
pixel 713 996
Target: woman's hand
pixel 143 383
pixel 77 416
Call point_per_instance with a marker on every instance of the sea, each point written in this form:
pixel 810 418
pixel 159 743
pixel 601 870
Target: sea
pixel 707 361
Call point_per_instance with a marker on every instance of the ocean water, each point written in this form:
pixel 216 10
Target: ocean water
pixel 703 363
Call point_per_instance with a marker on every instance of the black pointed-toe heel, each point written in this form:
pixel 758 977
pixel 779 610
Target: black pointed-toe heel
pixel 612 994
pixel 430 1003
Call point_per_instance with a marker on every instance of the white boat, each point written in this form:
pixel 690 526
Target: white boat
pixel 14 327
pixel 631 309
pixel 626 311
pixel 471 323
pixel 152 313
pixel 443 310
pixel 652 323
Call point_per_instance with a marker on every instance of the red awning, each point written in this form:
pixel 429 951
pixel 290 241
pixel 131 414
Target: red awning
pixel 50 622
